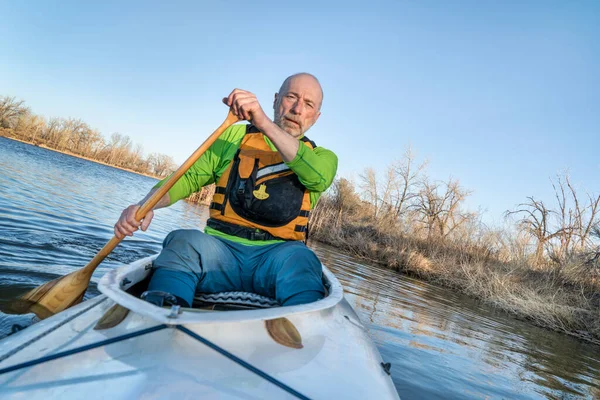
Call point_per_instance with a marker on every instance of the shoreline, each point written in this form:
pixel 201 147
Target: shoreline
pixel 68 153
pixel 537 303
pixel 201 198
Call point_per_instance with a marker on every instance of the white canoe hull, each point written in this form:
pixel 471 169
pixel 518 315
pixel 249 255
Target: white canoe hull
pixel 338 359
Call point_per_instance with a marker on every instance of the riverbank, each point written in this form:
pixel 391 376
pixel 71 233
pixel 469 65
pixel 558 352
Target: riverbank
pixel 203 197
pixel 563 298
pixel 43 146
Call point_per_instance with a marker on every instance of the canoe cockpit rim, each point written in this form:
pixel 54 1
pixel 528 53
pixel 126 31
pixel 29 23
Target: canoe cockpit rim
pixel 115 283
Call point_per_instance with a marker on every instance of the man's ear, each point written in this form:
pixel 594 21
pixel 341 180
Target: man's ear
pixel 318 115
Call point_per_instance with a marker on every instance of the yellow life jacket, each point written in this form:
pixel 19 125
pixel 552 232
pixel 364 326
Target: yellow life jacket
pixel 259 197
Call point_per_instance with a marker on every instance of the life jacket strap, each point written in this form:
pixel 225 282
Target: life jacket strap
pixel 216 206
pixel 240 231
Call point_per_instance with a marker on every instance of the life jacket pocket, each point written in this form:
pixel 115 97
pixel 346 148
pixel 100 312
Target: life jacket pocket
pixel 270 202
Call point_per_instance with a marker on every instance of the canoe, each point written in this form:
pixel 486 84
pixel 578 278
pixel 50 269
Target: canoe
pixel 221 349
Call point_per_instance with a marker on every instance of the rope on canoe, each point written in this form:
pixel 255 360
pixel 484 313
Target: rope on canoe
pixel 241 362
pixel 47 332
pixel 116 339
pixel 81 349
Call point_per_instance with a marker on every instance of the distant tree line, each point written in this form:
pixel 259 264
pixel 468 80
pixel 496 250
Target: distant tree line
pixel 406 201
pixel 72 135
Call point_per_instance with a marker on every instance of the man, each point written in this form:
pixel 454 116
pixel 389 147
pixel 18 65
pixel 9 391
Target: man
pixel 268 177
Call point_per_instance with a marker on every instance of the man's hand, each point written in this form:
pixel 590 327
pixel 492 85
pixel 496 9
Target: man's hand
pixel 127 225
pixel 245 105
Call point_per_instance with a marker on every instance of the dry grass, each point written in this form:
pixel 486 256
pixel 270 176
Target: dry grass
pixel 563 298
pixel 204 196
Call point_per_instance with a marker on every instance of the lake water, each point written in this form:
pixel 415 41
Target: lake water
pixel 57 211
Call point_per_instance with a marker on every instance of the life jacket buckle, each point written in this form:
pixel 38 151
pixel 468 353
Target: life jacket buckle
pixel 258 235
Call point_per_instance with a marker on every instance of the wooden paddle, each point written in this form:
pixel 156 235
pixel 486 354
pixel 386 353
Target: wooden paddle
pixel 66 291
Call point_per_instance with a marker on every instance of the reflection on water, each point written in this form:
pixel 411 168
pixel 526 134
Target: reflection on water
pixel 57 211
pixel 445 345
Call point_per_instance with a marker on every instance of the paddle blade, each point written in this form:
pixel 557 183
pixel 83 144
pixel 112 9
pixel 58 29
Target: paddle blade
pixel 20 307
pixel 284 332
pixel 112 317
pixel 56 295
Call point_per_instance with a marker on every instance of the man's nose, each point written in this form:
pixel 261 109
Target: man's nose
pixel 297 108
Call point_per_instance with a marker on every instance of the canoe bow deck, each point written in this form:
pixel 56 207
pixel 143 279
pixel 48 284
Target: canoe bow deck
pixel 337 359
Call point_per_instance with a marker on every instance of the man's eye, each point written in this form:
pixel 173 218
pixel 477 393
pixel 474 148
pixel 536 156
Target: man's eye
pixel 310 105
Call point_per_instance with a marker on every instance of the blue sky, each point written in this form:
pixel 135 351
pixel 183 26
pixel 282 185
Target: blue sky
pixel 500 95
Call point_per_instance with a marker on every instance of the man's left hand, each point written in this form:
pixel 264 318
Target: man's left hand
pixel 245 105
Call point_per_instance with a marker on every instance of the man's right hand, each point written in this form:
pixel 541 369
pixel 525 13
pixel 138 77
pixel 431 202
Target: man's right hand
pixel 127 224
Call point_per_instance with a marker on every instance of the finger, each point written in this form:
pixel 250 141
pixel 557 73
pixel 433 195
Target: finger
pixel 124 232
pixel 234 95
pixel 118 234
pixel 246 114
pixel 124 223
pixel 147 219
pixel 231 97
pixel 131 221
pixel 247 106
pixel 125 226
pixel 130 218
pixel 131 212
pixel 131 232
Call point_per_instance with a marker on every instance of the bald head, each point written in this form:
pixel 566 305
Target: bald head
pixel 307 80
pixel 298 103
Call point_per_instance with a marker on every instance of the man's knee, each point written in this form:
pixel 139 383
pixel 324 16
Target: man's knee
pixel 183 237
pixel 177 268
pixel 300 276
pixel 299 257
pixel 180 251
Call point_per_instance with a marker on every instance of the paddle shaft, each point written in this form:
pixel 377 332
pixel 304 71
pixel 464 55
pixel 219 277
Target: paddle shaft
pixel 161 191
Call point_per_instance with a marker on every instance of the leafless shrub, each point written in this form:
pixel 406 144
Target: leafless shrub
pixel 11 110
pixel 72 135
pixel 204 196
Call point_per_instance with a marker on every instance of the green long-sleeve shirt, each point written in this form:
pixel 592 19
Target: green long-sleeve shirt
pixel 315 168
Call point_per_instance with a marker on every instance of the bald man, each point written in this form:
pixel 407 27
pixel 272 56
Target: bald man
pixel 268 177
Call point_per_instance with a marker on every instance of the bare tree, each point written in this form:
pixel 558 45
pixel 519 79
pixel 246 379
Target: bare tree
pixel 162 165
pixel 10 111
pixel 116 150
pixel 594 256
pixel 78 134
pixel 438 205
pixel 52 131
pixel 370 189
pixel 407 175
pixel 575 220
pixel 535 220
pixel 344 199
pixel 30 127
pixel 585 215
pixel 74 135
pixel 91 143
pixel 566 222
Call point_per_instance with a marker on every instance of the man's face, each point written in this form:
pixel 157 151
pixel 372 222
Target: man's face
pixel 297 105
